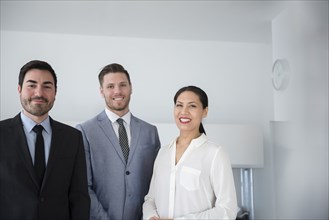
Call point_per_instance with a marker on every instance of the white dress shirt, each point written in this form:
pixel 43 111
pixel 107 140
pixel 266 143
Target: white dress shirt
pixel 199 186
pixel 126 122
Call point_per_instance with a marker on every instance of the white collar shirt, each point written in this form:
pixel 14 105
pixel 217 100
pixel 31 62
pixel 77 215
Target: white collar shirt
pixel 199 186
pixel 126 118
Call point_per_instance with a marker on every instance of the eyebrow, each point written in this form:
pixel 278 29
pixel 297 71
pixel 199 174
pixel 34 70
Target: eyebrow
pixel 119 83
pixel 192 102
pixel 45 83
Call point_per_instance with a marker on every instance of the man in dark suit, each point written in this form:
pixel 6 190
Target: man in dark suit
pixel 120 150
pixel 42 175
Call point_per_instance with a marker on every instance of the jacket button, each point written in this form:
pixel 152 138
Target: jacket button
pixel 127 172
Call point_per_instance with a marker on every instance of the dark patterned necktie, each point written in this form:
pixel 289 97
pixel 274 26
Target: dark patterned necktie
pixel 39 156
pixel 123 139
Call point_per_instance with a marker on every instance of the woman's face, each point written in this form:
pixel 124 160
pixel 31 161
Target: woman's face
pixel 188 112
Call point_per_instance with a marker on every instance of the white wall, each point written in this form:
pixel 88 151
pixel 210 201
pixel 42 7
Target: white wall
pixel 236 77
pixel 300 132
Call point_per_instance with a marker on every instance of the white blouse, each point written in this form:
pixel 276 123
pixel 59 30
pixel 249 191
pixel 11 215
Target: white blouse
pixel 199 186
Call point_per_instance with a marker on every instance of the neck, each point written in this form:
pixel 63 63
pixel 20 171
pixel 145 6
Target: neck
pixel 185 139
pixel 36 119
pixel 119 113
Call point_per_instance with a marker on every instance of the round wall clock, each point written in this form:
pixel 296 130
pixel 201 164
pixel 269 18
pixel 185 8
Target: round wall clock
pixel 280 74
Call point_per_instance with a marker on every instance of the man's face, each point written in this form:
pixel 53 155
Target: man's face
pixel 116 91
pixel 37 93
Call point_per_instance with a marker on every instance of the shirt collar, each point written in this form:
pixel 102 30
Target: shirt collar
pixel 29 124
pixel 197 142
pixel 114 117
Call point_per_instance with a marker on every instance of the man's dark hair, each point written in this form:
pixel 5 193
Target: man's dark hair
pixel 112 68
pixel 36 64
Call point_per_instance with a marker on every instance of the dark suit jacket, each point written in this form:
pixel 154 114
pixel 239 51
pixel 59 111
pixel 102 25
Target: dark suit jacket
pixel 64 191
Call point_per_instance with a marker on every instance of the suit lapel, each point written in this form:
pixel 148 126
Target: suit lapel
pixel 56 140
pixel 135 134
pixel 107 128
pixel 19 137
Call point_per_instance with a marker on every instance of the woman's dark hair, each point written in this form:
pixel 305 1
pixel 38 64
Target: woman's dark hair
pixel 36 64
pixel 202 96
pixel 112 68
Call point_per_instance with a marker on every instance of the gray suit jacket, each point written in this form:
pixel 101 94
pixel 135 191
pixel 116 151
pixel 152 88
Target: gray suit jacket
pixel 117 190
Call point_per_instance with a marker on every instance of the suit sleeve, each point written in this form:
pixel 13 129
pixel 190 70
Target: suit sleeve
pixel 149 207
pixel 78 196
pixel 157 140
pixel 96 209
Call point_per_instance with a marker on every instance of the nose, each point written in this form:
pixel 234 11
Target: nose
pixel 38 91
pixel 184 110
pixel 117 89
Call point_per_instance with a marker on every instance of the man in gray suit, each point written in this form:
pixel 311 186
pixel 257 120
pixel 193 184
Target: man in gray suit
pixel 119 162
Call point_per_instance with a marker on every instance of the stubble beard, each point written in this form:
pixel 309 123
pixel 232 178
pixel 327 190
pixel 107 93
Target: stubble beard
pixel 114 108
pixel 36 109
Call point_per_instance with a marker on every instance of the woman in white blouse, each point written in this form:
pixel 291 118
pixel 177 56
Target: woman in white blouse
pixel 192 176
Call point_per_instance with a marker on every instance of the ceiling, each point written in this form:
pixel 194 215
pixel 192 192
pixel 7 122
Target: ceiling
pixel 237 21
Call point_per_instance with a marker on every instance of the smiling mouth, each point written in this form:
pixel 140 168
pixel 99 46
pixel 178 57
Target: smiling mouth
pixel 39 100
pixel 184 120
pixel 118 99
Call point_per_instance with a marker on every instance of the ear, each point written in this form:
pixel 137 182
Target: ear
pixel 19 88
pixel 101 91
pixel 205 112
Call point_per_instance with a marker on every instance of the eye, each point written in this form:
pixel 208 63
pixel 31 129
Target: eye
pixel 47 86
